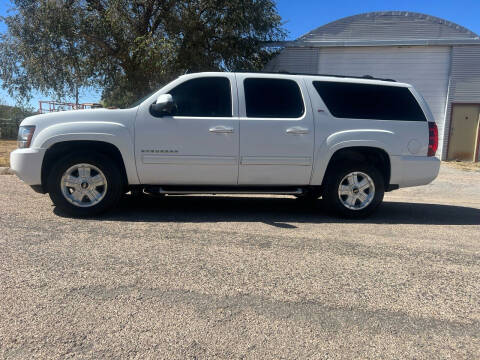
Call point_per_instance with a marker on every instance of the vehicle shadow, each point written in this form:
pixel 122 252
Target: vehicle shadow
pixel 279 212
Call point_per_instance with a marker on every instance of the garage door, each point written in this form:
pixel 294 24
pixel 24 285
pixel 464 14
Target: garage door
pixel 426 68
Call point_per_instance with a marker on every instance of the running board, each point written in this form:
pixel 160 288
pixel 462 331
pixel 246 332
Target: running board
pixel 183 190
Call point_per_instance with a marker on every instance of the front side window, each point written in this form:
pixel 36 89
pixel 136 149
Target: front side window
pixel 369 101
pixel 273 98
pixel 203 97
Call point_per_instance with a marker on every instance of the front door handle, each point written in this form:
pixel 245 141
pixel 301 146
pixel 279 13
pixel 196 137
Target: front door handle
pixel 221 130
pixel 297 130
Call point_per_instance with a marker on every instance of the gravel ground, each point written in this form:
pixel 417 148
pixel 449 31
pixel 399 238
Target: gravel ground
pixel 243 277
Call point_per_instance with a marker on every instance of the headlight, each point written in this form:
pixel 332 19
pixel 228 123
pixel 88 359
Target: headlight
pixel 25 134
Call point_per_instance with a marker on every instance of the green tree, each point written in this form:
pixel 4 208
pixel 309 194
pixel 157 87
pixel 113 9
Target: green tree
pixel 129 48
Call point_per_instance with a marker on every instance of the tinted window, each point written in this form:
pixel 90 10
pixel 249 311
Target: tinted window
pixel 209 97
pixel 273 98
pixel 365 101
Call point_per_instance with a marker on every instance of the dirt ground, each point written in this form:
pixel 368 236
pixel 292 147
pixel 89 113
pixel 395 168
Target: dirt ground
pixel 6 147
pixel 205 277
pixel 464 165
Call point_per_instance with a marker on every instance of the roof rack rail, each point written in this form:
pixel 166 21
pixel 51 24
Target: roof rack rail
pixel 368 77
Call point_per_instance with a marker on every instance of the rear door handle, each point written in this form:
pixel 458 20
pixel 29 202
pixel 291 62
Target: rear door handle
pixel 297 130
pixel 221 130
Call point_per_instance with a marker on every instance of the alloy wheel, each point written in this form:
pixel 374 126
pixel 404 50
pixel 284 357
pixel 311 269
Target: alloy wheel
pixel 83 185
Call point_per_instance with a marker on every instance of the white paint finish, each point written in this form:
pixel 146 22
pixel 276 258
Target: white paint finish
pixel 273 149
pixel 410 171
pixel 274 175
pixel 255 151
pixel 426 68
pixel 111 126
pixel 27 164
pixel 333 134
pixel 190 174
pixel 198 153
pixel 414 146
pixel 189 160
pixel 258 160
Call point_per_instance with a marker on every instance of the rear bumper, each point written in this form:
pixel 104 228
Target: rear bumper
pixel 413 170
pixel 27 165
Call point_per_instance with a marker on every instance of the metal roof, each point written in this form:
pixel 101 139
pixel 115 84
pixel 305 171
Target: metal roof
pixel 387 28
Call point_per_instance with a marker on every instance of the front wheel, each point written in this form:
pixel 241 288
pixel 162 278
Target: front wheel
pixel 85 184
pixel 354 191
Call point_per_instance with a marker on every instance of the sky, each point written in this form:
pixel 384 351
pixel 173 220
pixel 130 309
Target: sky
pixel 302 16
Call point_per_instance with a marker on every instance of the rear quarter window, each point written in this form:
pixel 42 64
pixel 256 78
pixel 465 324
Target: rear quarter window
pixel 369 101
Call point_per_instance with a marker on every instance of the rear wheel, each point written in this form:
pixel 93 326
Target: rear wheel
pixel 354 191
pixel 85 184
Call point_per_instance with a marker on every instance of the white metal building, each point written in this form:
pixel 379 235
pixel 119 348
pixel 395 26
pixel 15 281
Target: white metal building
pixel 440 58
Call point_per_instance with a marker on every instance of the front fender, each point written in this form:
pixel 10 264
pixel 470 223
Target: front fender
pixel 109 132
pixel 380 139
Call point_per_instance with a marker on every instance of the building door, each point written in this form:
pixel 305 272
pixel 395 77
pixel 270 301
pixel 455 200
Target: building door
pixel 464 129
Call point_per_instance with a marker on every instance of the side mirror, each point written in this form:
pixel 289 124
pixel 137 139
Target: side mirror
pixel 163 106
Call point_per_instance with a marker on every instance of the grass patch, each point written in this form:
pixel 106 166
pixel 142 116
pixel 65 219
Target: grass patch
pixel 6 147
pixel 464 165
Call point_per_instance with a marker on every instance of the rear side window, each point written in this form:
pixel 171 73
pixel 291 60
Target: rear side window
pixel 273 98
pixel 207 97
pixel 365 101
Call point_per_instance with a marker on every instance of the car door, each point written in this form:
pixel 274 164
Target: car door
pixel 199 144
pixel 276 130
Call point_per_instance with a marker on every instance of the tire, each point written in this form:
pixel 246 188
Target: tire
pixel 354 190
pixel 83 185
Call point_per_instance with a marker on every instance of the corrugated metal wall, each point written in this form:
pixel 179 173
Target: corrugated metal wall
pixel 295 60
pixel 464 82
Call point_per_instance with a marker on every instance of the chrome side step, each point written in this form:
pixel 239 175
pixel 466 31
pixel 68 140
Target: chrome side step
pixel 183 192
pixel 225 190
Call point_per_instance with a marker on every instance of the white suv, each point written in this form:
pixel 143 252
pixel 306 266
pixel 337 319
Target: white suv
pixel 345 139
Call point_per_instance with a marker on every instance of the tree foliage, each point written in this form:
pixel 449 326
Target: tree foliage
pixel 129 48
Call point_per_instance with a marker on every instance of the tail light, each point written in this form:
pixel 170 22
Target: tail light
pixel 432 138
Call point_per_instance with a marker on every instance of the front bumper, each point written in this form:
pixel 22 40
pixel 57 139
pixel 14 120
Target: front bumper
pixel 27 165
